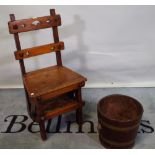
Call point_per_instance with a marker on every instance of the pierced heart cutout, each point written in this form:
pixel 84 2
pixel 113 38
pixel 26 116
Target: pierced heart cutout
pixel 35 23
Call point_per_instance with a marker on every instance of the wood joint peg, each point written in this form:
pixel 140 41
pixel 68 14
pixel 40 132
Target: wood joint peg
pixel 52 48
pixel 27 53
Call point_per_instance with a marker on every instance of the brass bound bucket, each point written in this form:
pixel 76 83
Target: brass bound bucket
pixel 119 117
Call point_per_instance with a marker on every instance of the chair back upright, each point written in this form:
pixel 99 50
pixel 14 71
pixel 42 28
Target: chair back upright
pixel 31 24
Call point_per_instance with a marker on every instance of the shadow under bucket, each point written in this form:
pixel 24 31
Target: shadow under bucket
pixel 119 117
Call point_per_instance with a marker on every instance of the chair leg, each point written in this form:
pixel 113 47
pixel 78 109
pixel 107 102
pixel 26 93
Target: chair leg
pixel 58 124
pixel 42 130
pixel 79 116
pixel 79 113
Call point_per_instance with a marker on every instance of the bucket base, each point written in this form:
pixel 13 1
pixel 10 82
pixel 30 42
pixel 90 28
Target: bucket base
pixel 115 145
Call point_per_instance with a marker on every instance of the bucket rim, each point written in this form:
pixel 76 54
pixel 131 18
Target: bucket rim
pixel 116 120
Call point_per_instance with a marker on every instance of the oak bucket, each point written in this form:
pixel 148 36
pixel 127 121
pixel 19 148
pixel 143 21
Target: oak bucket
pixel 119 117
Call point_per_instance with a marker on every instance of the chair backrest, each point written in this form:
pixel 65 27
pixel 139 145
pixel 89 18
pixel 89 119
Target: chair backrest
pixel 31 24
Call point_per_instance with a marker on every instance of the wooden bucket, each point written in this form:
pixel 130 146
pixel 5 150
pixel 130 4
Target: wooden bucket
pixel 119 117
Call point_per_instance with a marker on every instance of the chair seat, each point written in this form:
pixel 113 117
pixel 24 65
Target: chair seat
pixel 51 80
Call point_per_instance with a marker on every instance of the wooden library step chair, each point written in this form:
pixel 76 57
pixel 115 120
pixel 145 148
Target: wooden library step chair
pixel 50 91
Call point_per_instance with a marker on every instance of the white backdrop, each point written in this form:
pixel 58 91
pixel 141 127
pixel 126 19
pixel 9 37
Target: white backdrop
pixel 112 46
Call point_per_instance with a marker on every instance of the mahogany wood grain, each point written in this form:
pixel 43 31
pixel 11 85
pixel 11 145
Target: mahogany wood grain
pixel 48 83
pixel 62 105
pixel 30 52
pixel 63 90
pixel 21 63
pixel 56 39
pixel 51 79
pixel 18 46
pixel 24 25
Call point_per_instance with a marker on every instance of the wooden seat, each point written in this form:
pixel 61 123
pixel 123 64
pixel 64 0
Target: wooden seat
pixel 52 81
pixel 50 91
